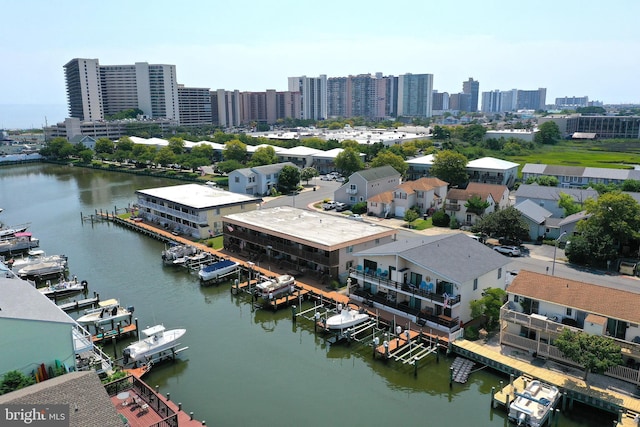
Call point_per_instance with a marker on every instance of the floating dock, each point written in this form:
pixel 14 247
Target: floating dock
pixel 123 331
pixel 80 304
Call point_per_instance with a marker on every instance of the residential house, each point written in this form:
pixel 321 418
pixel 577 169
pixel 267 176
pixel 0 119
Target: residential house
pixel 367 183
pixel 307 242
pixel 489 170
pixel 192 209
pixel 300 155
pixel 420 166
pixel 549 197
pixel 425 194
pixel 538 220
pixel 256 181
pixel 325 161
pixel 496 195
pixel 540 306
pixel 34 331
pixel 423 279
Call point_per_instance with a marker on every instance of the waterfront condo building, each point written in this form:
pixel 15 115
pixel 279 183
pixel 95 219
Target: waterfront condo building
pixel 195 105
pixel 313 96
pixel 97 91
pixel 415 95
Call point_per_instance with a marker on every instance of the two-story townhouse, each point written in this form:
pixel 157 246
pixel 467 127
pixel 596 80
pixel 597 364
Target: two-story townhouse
pixel 540 306
pixel 367 183
pixel 419 166
pixel 489 170
pixel 496 195
pixel 579 176
pixel 548 197
pixel 300 155
pixel 425 194
pixel 192 209
pixel 308 242
pixel 256 181
pixel 430 280
pixel 538 219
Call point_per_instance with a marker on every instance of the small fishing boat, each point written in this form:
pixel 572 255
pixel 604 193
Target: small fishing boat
pixel 42 267
pixel 217 270
pixel 531 408
pixel 178 253
pixel 346 318
pixel 64 288
pixel 273 287
pixel 19 242
pixel 157 341
pixel 107 311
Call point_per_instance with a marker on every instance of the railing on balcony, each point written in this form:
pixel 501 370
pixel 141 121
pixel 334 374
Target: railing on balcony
pixel 352 190
pixel 173 212
pixel 405 288
pixel 451 207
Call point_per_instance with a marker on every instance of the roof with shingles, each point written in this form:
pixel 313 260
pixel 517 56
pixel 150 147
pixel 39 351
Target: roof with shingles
pixel 535 191
pixel 454 256
pixel 533 211
pixel 600 300
pixel 89 403
pixel 378 173
pixel 496 190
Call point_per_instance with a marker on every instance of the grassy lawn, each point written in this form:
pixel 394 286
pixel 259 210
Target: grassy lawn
pixel 214 242
pixel 421 224
pixel 615 155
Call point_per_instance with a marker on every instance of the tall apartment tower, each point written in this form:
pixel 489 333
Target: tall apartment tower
pixel 195 105
pixel 84 93
pixel 472 87
pixel 313 95
pixel 532 99
pixel 415 95
pixel 95 91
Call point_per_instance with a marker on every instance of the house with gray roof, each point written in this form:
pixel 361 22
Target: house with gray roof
pixel 536 218
pixel 579 176
pixel 256 181
pixel 299 155
pixel 568 225
pixel 367 183
pixel 548 197
pixel 86 402
pixel 35 331
pixel 429 279
pixel 325 161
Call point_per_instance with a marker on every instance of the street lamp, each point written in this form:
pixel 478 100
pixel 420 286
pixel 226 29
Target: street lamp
pixel 555 248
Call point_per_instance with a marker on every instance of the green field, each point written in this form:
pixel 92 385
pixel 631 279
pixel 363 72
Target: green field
pixel 615 155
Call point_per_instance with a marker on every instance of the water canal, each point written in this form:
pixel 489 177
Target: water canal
pixel 242 367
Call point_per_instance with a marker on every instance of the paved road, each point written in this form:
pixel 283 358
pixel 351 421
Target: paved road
pixel 536 258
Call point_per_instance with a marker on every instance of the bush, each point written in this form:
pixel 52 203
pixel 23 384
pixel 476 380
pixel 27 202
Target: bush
pixel 440 219
pixel 471 333
pixel 453 223
pixel 359 208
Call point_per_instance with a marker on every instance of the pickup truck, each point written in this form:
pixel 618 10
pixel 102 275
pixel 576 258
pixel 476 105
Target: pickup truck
pixel 327 206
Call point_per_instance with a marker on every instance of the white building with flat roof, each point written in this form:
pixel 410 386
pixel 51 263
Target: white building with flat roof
pixel 192 209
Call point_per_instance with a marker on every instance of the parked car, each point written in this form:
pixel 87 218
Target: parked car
pixel 508 250
pixel 327 206
pixel 356 217
pixel 326 178
pixel 340 207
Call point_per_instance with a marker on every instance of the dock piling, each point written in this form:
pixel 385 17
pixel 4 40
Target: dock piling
pixel 493 393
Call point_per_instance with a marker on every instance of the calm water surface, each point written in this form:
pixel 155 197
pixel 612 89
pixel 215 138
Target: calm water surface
pixel 242 368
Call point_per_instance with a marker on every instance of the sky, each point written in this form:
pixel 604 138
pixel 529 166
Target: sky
pixel 571 47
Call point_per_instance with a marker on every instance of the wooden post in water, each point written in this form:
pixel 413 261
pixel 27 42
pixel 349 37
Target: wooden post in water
pixel 437 350
pixel 415 367
pixel 115 350
pixel 293 313
pixel 493 393
pixel 137 330
pixel 451 377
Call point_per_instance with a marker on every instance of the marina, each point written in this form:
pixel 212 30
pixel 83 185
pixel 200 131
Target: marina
pixel 119 262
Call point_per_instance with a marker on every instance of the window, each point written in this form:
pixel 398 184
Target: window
pixel 349 249
pixel 475 284
pixel 237 179
pixel 499 273
pixel 569 311
pixel 349 265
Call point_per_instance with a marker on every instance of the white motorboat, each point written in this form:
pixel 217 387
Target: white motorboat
pixel 217 270
pixel 107 311
pixel 64 288
pixel 19 242
pixel 157 342
pixel 347 318
pixel 42 267
pixel 531 408
pixel 177 252
pixel 272 287
pixel 8 232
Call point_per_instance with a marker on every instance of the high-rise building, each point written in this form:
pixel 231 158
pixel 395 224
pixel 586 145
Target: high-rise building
pixel 532 99
pixel 84 94
pixel 460 102
pixel 471 87
pixel 415 95
pixel 440 101
pixel 195 105
pixel 491 102
pixel 364 95
pixel 313 96
pixel 337 95
pixel 225 108
pixel 97 91
pixel 572 102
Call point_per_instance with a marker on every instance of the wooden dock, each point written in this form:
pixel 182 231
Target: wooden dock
pixel 123 331
pixel 573 388
pixel 80 304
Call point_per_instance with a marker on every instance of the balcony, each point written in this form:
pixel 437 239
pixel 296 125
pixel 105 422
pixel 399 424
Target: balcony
pixel 352 191
pixel 451 207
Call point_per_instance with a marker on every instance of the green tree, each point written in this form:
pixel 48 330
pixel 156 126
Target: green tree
pixel 264 156
pixel 440 219
pixel 473 134
pixel 176 145
pixel 385 158
pixel 594 353
pixel 288 179
pixel 125 144
pixel 14 380
pixel 229 166
pixel 348 161
pixel 104 146
pixel 489 306
pixel 235 150
pixel 507 223
pixel 616 214
pixel 410 215
pixel 566 202
pixel 592 246
pixel 86 155
pixel 58 148
pixel 631 185
pixel 450 166
pixel 548 133
pixel 476 205
pixel 308 174
pixel 203 151
pixel 165 156
pixel 440 133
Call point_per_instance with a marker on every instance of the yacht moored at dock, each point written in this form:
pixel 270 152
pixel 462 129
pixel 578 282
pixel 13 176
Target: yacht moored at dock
pixel 107 311
pixel 158 343
pixel 531 408
pixel 347 318
pixel 178 253
pixel 64 288
pixel 272 287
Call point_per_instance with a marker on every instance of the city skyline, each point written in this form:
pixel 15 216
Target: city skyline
pixel 255 46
